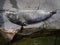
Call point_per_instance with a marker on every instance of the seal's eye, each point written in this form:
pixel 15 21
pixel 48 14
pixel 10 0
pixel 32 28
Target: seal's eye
pixel 11 16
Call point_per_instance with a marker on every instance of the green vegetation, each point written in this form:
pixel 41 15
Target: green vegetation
pixel 43 37
pixel 3 41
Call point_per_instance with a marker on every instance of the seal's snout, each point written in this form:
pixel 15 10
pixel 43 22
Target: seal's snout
pixel 53 12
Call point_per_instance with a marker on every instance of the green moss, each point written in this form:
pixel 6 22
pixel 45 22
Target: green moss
pixel 37 41
pixel 3 41
pixel 41 40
